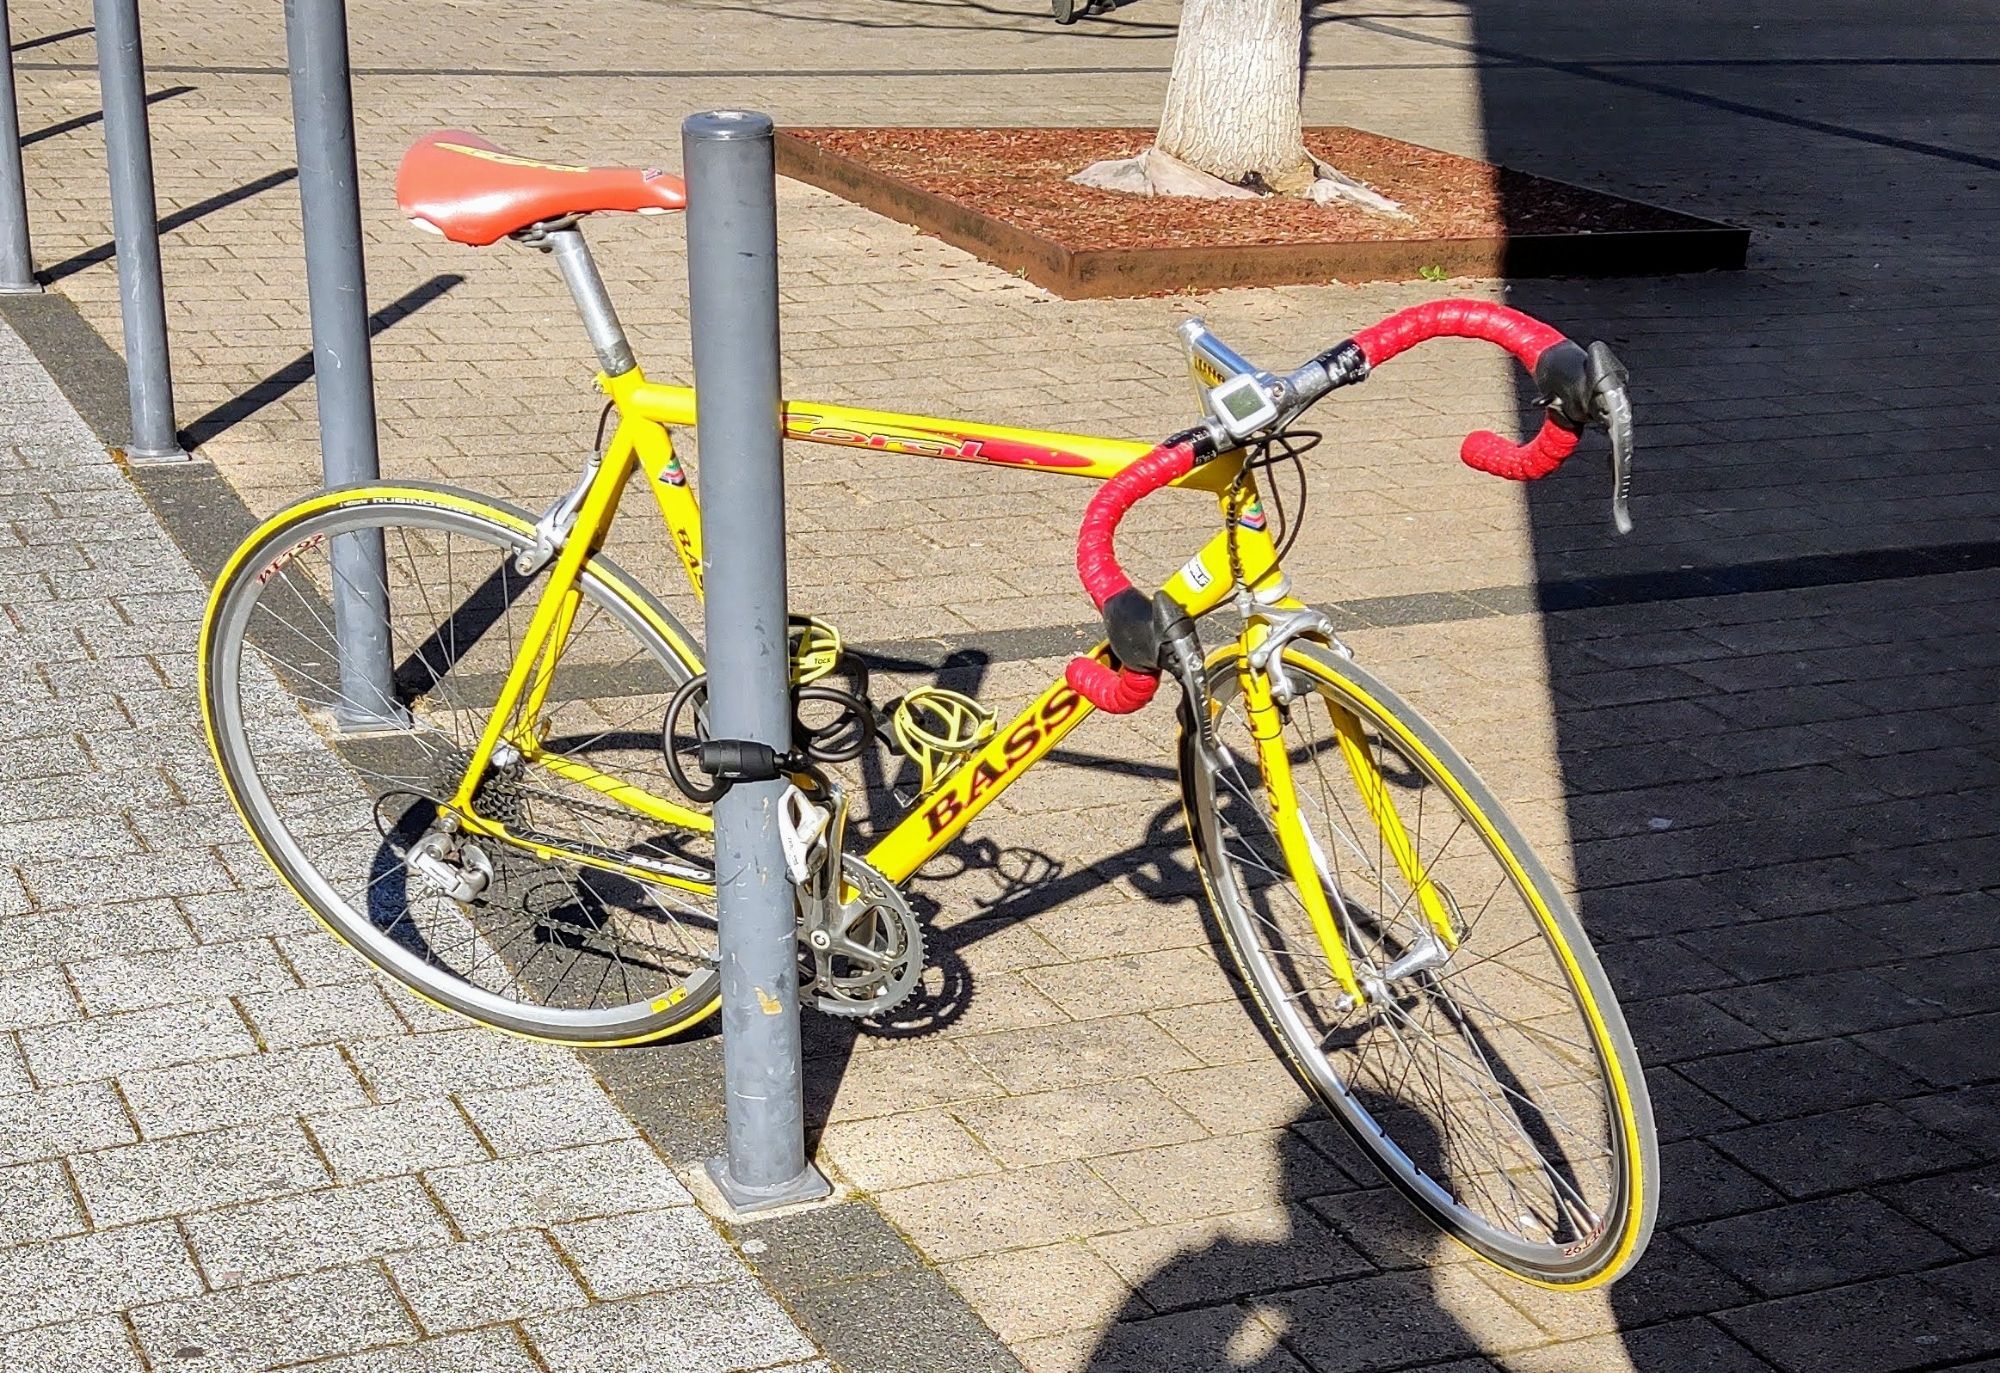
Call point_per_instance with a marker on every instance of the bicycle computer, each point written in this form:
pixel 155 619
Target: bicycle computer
pixel 1243 404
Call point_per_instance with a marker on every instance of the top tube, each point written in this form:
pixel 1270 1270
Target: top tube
pixel 1040 450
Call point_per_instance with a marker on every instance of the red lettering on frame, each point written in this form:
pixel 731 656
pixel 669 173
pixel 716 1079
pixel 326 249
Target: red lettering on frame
pixel 1020 742
pixel 985 776
pixel 941 812
pixel 1060 707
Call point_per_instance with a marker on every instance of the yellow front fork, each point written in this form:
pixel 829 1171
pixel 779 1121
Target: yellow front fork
pixel 1297 843
pixel 1268 728
pixel 1382 809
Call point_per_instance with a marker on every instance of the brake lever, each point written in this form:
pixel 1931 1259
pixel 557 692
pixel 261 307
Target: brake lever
pixel 1611 406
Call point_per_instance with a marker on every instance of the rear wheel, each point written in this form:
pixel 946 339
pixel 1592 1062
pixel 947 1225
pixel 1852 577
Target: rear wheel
pixel 570 915
pixel 1487 1071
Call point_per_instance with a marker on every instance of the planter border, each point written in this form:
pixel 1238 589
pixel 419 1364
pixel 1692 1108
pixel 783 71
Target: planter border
pixel 1090 273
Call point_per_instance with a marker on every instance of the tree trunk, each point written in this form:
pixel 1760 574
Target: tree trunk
pixel 1233 98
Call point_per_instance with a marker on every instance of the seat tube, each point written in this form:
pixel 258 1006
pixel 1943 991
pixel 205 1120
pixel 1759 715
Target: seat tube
pixel 593 302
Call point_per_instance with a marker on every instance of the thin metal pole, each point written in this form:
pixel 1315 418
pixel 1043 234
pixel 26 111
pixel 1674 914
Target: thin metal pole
pixel 343 369
pixel 17 259
pixel 733 307
pixel 135 230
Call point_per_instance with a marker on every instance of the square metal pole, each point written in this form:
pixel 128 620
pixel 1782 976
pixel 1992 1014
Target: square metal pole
pixel 17 260
pixel 135 231
pixel 343 366
pixel 733 307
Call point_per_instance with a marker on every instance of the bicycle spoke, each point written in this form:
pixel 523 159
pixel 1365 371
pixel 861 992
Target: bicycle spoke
pixel 548 935
pixel 1481 1051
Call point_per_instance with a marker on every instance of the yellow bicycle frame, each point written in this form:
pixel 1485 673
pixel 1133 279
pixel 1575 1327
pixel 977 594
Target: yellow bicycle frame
pixel 642 442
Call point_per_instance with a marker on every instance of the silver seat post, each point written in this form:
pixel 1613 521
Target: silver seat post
pixel 593 302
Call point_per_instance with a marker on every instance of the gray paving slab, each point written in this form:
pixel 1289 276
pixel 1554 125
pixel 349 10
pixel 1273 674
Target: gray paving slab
pixel 286 1236
pixel 714 1328
pixel 1815 556
pixel 497 1350
pixel 37 1202
pixel 203 1164
pixel 644 1251
pixel 503 1278
pixel 91 1274
pixel 402 1137
pixel 168 1177
pixel 98 1344
pixel 63 1120
pixel 580 1183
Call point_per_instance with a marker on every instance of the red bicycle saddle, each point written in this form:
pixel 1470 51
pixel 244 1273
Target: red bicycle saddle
pixel 457 184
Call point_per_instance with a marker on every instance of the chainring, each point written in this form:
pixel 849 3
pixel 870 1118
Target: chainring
pixel 868 957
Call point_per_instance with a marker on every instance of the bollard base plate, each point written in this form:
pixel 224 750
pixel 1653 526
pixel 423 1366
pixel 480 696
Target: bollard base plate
pixel 809 1185
pixel 359 724
pixel 33 288
pixel 150 456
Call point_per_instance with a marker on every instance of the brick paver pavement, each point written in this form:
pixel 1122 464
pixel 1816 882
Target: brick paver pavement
pixel 222 1147
pixel 1777 805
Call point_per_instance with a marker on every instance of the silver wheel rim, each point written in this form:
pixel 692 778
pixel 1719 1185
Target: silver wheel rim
pixel 1306 1040
pixel 238 724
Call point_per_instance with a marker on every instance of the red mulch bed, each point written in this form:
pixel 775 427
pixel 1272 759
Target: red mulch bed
pixel 1004 193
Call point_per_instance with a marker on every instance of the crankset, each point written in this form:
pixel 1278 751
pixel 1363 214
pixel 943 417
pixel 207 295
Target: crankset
pixel 864 956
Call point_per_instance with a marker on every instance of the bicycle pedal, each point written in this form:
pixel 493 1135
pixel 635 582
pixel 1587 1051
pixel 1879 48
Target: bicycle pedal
pixel 801 824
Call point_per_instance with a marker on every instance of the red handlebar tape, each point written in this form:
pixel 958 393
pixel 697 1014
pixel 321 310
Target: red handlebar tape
pixel 1522 335
pixel 1120 691
pixel 1125 689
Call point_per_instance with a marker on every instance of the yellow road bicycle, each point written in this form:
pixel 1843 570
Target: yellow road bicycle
pixel 515 828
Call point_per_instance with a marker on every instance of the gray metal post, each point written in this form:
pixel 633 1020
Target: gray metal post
pixel 137 233
pixel 733 308
pixel 135 230
pixel 17 261
pixel 343 368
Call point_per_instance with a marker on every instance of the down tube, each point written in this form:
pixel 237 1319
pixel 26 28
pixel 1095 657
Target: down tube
pixel 943 815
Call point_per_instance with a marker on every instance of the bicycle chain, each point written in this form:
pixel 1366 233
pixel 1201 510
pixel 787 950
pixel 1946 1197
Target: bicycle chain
pixel 896 945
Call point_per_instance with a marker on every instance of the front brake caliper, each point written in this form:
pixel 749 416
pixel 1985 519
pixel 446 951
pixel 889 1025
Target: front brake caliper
pixel 1283 627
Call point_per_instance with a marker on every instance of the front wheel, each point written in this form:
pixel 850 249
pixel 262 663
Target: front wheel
pixel 1485 1067
pixel 557 904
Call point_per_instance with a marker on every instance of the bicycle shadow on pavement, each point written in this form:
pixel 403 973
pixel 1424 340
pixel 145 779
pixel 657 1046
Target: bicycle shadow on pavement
pixel 1338 1271
pixel 1025 882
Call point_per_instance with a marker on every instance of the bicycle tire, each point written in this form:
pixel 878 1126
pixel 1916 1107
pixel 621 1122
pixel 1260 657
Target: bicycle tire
pixel 1428 1163
pixel 268 696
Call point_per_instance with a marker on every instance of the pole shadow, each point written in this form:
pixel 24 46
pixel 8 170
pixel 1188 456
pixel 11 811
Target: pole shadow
pixel 50 39
pixel 181 218
pixel 84 121
pixel 299 370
